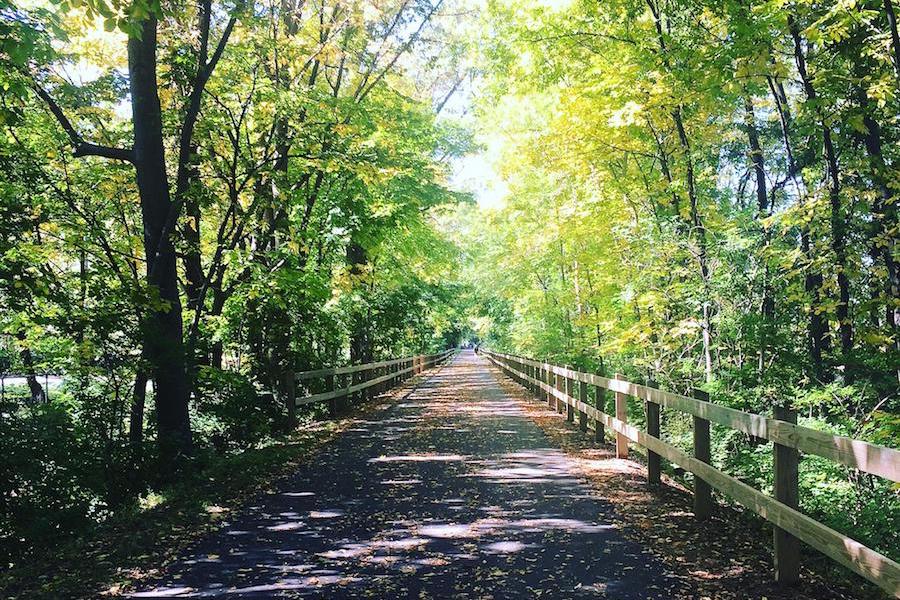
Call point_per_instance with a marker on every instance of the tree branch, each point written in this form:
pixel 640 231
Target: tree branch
pixel 79 146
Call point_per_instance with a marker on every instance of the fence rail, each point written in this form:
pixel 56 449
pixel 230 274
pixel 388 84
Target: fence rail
pixel 555 384
pixel 366 378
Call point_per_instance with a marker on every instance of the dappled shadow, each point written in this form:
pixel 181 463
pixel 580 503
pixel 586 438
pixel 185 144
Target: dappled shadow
pixel 453 492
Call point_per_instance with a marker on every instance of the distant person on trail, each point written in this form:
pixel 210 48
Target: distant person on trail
pixel 476 348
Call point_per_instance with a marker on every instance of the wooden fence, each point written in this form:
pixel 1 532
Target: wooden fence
pixel 557 385
pixel 366 379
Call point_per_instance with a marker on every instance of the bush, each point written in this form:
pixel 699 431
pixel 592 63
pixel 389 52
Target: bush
pixel 56 477
pixel 230 411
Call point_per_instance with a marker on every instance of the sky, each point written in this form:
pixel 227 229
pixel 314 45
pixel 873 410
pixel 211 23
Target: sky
pixel 476 173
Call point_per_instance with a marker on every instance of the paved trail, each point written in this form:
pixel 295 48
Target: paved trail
pixel 451 492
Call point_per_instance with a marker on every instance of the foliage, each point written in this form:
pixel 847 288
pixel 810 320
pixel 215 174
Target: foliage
pixel 58 477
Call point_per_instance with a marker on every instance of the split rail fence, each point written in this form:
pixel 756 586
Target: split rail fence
pixel 567 390
pixel 365 380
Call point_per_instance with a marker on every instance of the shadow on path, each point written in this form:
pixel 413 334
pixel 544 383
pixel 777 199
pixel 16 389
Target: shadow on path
pixel 452 491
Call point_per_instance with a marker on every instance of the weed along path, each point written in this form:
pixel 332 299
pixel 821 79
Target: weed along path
pixel 451 490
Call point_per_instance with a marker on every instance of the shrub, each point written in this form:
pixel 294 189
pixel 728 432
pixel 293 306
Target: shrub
pixel 230 411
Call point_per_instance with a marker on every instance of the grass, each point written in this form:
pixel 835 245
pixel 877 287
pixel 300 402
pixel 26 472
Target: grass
pixel 110 557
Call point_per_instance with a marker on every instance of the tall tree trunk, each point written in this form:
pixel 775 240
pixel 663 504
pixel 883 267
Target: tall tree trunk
pixel 884 220
pixel 895 38
pixel 187 181
pixel 360 337
pixel 187 176
pixel 194 277
pixel 818 338
pixel 35 389
pixel 763 211
pixel 838 222
pixel 698 229
pixel 138 401
pixel 162 328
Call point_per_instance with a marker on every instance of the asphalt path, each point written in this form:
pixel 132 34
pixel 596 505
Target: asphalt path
pixel 449 491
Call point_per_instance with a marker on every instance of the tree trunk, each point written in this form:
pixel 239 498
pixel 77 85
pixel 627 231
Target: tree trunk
pixel 194 277
pixel 884 219
pixel 138 401
pixel 763 211
pixel 838 223
pixel 35 389
pixel 162 328
pixel 818 340
pixel 895 38
pixel 698 229
pixel 360 338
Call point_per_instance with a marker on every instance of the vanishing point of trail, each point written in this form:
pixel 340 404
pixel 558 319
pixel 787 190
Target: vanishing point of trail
pixel 449 491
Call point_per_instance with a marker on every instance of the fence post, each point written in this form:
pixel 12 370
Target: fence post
pixel 347 399
pixel 561 386
pixel 787 547
pixel 329 387
pixel 570 404
pixel 583 398
pixel 291 396
pixel 554 401
pixel 551 383
pixel 653 459
pixel 702 490
pixel 543 378
pixel 600 405
pixel 621 415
